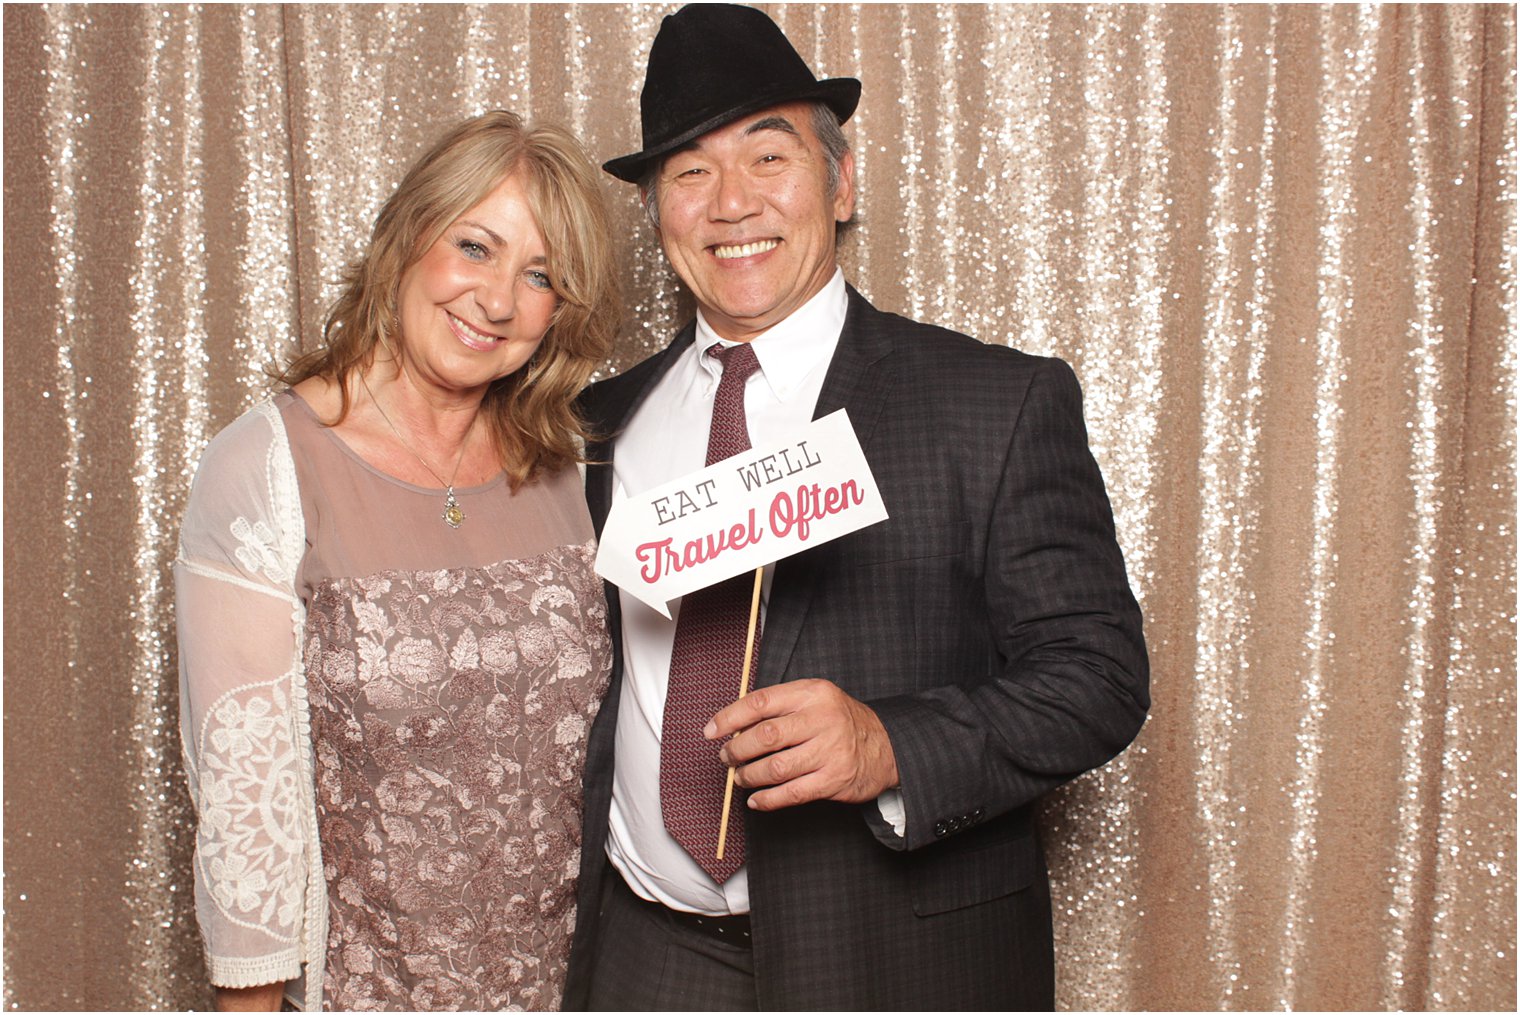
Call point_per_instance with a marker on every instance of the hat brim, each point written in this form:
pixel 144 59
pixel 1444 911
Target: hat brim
pixel 841 95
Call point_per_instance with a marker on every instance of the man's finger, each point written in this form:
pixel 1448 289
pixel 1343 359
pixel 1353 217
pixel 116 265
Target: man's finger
pixel 783 766
pixel 758 704
pixel 810 787
pixel 766 737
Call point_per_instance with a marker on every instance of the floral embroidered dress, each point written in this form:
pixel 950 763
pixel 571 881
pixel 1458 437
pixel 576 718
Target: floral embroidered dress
pixel 384 721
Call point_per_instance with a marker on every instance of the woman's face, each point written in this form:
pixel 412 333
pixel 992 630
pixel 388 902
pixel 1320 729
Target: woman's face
pixel 476 305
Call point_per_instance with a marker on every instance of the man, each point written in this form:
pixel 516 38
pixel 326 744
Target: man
pixel 920 683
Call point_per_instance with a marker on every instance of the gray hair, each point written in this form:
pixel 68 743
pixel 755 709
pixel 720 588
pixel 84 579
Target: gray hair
pixel 825 128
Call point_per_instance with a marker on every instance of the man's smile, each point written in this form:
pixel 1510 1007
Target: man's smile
pixel 728 252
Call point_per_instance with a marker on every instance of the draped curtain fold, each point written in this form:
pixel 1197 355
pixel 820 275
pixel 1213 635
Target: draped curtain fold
pixel 1277 243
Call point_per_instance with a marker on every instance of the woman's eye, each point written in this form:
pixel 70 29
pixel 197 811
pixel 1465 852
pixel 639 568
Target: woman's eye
pixel 540 281
pixel 474 251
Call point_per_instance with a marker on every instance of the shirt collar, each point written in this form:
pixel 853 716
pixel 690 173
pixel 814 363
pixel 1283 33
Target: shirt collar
pixel 790 350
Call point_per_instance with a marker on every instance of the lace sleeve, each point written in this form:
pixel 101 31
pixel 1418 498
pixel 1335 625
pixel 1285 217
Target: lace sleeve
pixel 242 707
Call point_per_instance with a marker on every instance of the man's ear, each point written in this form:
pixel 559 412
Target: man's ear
pixel 844 197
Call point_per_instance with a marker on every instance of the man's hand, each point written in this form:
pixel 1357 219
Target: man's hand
pixel 806 740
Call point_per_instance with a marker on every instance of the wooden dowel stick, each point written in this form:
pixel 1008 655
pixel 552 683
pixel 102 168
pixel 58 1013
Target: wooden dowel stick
pixel 749 651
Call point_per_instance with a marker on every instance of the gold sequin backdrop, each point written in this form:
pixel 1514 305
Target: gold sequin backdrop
pixel 1276 243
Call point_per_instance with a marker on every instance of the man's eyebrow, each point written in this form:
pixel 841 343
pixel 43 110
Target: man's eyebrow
pixel 780 123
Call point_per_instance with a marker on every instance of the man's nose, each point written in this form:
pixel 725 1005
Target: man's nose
pixel 734 198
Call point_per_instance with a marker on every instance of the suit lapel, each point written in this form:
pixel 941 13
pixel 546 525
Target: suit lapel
pixel 614 418
pixel 609 415
pixel 857 383
pixel 852 383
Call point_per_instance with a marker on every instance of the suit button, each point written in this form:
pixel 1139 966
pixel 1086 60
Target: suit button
pixel 940 829
pixel 977 814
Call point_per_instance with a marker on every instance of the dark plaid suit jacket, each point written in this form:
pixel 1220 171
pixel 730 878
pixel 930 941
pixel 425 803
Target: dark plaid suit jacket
pixel 988 622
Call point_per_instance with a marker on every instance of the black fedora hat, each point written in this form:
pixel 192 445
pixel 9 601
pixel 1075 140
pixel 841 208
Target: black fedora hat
pixel 713 63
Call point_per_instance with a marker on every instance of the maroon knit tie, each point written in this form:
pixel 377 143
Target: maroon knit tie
pixel 706 663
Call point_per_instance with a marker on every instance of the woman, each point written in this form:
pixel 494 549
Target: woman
pixel 392 642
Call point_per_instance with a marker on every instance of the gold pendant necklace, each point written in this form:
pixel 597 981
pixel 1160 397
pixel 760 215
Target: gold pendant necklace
pixel 453 514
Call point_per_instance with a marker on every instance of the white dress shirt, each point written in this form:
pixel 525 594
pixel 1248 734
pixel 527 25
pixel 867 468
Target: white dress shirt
pixel 665 439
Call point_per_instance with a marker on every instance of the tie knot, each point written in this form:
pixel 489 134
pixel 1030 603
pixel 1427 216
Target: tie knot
pixel 738 361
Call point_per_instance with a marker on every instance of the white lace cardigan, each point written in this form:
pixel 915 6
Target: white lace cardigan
pixel 260 895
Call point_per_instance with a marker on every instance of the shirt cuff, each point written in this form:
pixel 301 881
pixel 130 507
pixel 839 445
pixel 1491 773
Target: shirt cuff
pixel 890 804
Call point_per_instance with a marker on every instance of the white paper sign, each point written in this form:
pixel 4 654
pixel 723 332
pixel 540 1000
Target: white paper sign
pixel 747 511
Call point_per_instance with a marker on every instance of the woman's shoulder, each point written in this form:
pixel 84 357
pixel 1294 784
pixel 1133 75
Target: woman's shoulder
pixel 557 498
pixel 256 430
pixel 322 396
pixel 244 501
pixel 247 452
pixel 562 482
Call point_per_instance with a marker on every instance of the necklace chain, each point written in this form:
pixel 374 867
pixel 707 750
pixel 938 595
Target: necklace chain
pixel 453 514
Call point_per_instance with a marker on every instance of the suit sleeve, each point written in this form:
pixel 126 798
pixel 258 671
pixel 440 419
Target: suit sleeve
pixel 1070 687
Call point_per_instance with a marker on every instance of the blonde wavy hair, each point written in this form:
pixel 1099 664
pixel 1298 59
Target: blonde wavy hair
pixel 531 412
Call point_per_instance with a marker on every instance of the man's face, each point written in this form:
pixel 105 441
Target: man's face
pixel 747 220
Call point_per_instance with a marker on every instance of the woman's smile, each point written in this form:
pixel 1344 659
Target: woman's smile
pixel 472 337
